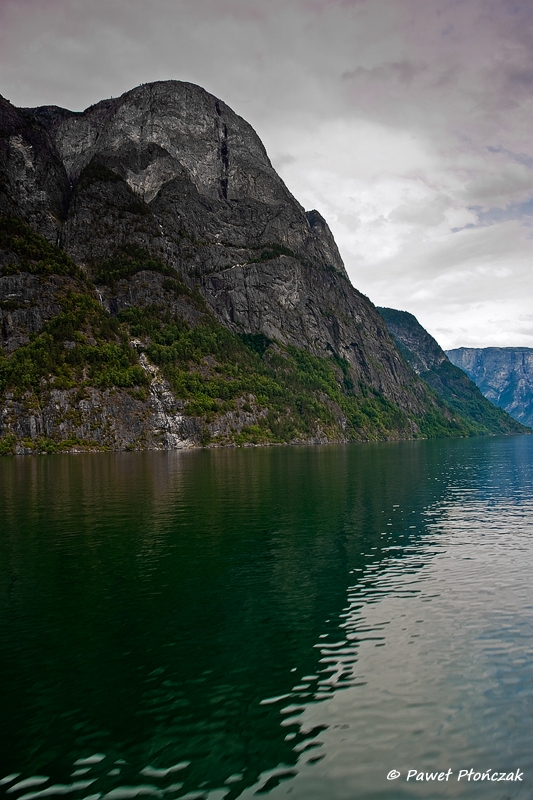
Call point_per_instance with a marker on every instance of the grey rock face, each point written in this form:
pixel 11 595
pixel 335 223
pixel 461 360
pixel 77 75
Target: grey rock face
pixel 418 346
pixel 102 419
pixel 208 164
pixel 33 180
pixel 145 289
pixel 298 305
pixel 25 304
pixel 504 375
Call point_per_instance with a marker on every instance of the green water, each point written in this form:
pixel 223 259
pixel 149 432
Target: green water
pixel 284 621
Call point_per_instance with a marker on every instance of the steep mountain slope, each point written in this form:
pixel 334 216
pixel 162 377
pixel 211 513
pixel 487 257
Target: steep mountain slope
pixel 432 364
pixel 503 374
pixel 161 287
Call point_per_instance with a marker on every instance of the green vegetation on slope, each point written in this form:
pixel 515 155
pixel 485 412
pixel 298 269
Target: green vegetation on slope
pixel 81 346
pixel 419 348
pixel 455 387
pixel 127 261
pixel 95 172
pixel 298 393
pixel 32 253
pixel 288 394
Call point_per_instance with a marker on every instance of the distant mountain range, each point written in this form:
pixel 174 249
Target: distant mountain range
pixel 429 361
pixel 503 374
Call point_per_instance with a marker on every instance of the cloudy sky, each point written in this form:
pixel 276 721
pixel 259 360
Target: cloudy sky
pixel 406 123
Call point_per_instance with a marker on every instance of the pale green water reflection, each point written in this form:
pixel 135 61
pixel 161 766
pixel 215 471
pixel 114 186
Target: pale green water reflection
pixel 288 621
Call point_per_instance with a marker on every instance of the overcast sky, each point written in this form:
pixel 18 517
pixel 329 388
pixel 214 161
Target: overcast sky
pixel 406 123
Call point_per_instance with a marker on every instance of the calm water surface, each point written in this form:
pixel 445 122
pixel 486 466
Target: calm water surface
pixel 288 621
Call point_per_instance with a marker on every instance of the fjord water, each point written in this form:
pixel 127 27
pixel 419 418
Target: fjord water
pixel 284 621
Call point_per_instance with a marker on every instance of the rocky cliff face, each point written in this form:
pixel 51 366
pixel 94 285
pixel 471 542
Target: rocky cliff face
pixel 151 258
pixel 205 167
pixel 503 374
pixel 216 211
pixel 433 365
pixel 33 181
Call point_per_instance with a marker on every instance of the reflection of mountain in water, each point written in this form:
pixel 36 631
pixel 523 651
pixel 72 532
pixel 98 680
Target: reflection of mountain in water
pixel 182 608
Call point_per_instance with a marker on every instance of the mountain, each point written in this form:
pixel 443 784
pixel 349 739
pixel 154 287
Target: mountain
pixel 161 288
pixel 504 375
pixel 429 361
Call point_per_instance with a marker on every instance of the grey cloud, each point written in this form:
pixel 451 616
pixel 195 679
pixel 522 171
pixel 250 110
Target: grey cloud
pixel 499 190
pixel 522 77
pixel 400 71
pixel 281 160
pixel 520 158
pixel 453 79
